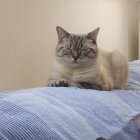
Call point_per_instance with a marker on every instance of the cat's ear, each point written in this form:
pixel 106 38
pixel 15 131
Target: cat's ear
pixel 61 33
pixel 93 35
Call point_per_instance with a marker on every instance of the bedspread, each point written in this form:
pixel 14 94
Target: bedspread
pixel 68 113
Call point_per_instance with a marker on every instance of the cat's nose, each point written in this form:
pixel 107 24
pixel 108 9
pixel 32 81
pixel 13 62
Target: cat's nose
pixel 75 55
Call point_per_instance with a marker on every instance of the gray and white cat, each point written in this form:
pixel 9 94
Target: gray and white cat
pixel 79 62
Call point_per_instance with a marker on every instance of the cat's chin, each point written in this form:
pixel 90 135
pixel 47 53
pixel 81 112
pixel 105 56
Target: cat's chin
pixel 78 63
pixel 75 62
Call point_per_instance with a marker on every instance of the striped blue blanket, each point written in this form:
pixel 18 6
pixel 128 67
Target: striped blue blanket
pixel 68 113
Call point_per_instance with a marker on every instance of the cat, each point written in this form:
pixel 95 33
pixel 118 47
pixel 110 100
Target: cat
pixel 130 132
pixel 79 62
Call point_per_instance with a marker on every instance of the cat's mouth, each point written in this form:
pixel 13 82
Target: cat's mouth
pixel 74 62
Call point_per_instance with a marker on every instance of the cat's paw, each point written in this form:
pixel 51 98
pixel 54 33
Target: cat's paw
pixel 58 83
pixel 108 86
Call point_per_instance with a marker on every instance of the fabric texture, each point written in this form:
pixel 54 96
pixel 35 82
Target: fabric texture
pixel 48 113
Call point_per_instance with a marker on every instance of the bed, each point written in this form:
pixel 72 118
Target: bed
pixel 48 113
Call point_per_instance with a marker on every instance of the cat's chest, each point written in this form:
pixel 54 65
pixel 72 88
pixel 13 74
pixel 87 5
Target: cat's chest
pixel 83 75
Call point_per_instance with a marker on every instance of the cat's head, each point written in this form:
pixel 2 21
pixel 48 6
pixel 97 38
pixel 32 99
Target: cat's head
pixel 74 49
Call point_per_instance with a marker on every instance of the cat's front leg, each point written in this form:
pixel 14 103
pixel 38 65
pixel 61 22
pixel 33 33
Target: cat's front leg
pixel 58 83
pixel 106 85
pixel 105 81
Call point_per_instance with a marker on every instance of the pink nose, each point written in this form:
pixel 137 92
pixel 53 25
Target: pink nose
pixel 75 57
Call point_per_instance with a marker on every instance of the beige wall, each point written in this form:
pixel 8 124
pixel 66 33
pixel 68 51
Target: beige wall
pixel 28 37
pixel 139 25
pixel 132 29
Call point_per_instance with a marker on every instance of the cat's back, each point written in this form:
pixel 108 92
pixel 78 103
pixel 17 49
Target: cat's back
pixel 119 68
pixel 116 67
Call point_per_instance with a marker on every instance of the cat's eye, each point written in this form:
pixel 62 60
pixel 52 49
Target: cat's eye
pixel 83 50
pixel 66 52
pixel 86 52
pixel 68 49
pixel 59 49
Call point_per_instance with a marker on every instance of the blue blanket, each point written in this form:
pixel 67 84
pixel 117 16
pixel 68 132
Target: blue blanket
pixel 68 113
